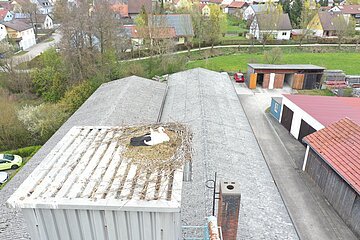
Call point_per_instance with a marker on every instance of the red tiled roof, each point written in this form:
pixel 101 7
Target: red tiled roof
pixel 135 6
pixel 156 33
pixel 339 145
pixel 236 4
pixel 3 13
pixel 327 110
pixel 121 9
pixel 216 1
pixel 350 9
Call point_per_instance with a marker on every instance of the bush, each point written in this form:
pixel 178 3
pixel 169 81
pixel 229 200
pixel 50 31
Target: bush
pixel 25 152
pixel 77 95
pixel 13 133
pixel 273 56
pixel 43 120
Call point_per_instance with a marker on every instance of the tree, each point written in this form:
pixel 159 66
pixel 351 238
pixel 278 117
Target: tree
pixel 198 21
pixel 215 25
pixel 345 28
pixel 273 56
pixel 31 10
pixel 295 13
pixel 307 15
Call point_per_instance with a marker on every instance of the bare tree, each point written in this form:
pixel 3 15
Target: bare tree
pixel 31 11
pixel 344 28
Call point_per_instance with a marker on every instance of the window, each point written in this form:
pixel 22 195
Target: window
pixel 276 108
pixel 284 33
pixel 9 157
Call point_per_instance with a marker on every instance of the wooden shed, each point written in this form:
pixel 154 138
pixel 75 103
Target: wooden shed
pixel 304 76
pixel 332 160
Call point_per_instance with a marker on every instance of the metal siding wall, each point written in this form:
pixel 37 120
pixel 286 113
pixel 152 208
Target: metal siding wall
pixel 58 224
pixel 340 195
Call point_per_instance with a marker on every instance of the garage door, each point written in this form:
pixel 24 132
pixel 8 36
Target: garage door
pixel 286 118
pixel 305 129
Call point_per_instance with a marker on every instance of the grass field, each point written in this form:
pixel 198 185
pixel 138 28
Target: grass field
pixel 348 62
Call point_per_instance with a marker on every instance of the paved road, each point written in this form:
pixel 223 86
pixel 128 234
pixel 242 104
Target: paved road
pixel 247 46
pixel 37 49
pixel 312 216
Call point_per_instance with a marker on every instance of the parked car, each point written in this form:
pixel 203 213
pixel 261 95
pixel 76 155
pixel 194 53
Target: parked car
pixel 10 161
pixel 239 77
pixel 4 176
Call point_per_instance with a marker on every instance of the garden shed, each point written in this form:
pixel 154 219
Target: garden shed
pixel 94 186
pixel 297 76
pixel 332 160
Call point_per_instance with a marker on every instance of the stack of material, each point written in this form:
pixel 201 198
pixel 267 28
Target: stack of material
pixel 334 79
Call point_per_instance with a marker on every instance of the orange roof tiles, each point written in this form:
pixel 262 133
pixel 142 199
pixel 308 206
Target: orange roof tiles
pixel 339 145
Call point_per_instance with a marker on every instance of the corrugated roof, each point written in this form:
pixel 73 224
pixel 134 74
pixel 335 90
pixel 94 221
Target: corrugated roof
pixel 181 22
pixel 326 109
pixel 338 144
pixel 285 66
pixel 129 101
pixel 273 21
pixel 223 142
pixel 88 168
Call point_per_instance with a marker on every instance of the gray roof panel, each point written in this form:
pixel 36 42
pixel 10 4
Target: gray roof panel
pixel 181 22
pixel 223 142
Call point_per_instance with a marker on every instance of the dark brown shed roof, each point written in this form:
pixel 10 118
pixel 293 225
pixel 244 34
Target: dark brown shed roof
pixel 17 25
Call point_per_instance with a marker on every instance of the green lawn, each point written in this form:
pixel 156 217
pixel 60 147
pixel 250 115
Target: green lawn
pixel 348 62
pixel 234 38
pixel 317 92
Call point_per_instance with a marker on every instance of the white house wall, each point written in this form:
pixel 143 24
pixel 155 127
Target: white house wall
pixel 280 35
pixel 74 224
pixel 299 115
pixel 28 39
pixel 3 32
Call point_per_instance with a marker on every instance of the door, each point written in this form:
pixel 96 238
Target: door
pixel 286 118
pixel 305 129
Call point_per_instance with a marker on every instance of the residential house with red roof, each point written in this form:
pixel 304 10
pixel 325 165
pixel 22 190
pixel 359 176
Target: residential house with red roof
pixel 135 7
pixel 236 8
pixel 349 11
pixel 332 160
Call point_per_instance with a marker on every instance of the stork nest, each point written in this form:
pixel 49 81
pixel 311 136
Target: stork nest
pixel 167 155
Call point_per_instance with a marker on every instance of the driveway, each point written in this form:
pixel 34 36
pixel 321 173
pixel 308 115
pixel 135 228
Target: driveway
pixel 312 216
pixel 37 49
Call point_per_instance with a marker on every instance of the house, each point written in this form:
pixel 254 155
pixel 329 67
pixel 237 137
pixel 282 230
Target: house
pixel 302 115
pixel 236 8
pixel 276 25
pixel 43 21
pixel 252 10
pixel 135 6
pixel 297 76
pixel 20 32
pixel 6 15
pixel 45 6
pixel 222 141
pixel 121 9
pixel 181 23
pixel 349 11
pixel 332 160
pixel 205 9
pixel 325 24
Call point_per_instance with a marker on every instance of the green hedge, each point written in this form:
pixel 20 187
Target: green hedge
pixel 25 152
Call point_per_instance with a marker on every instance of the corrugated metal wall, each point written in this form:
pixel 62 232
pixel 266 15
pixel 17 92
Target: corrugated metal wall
pixel 59 224
pixel 341 196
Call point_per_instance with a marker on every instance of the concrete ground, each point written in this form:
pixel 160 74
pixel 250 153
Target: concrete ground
pixel 311 214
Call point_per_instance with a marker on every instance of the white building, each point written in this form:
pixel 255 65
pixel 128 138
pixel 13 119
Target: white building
pixel 277 25
pixel 21 32
pixel 3 32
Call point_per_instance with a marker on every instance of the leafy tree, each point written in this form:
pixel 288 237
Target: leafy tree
pixel 215 25
pixel 295 13
pixel 49 83
pixel 344 28
pixel 307 14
